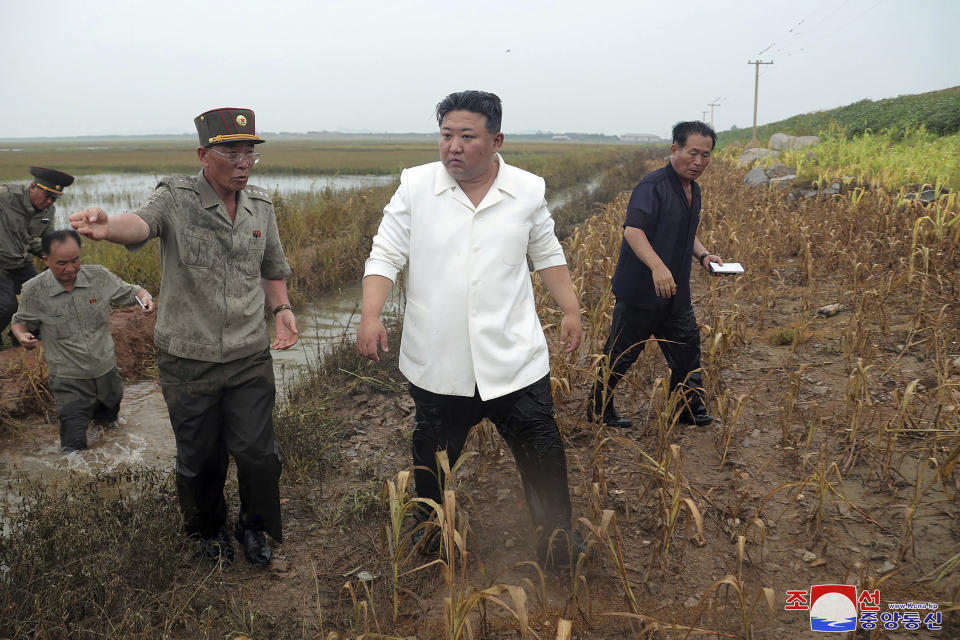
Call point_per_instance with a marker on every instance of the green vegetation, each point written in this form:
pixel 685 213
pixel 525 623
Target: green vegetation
pixel 894 161
pixel 891 160
pixel 937 111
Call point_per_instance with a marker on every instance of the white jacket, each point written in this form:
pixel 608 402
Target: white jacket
pixel 470 320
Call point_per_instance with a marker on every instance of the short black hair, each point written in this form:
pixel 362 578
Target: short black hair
pixel 60 235
pixel 683 129
pixel 482 102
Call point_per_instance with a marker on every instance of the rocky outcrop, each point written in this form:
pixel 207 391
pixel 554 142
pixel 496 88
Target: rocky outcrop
pixel 783 142
pixel 747 157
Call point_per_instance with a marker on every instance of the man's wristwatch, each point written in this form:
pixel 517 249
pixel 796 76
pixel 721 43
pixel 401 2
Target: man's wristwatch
pixel 702 256
pixel 281 307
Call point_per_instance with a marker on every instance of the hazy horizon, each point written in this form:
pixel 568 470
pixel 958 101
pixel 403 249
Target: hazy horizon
pixel 112 68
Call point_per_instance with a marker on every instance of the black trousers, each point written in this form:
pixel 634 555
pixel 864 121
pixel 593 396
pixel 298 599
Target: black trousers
pixel 525 420
pixel 81 400
pixel 679 340
pixel 11 282
pixel 217 410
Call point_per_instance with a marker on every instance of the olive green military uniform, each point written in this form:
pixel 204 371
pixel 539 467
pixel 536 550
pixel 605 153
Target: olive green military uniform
pixel 21 228
pixel 215 364
pixel 75 329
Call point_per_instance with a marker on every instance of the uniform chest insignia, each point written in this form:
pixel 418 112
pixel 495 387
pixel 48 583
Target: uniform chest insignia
pixel 92 300
pixel 256 233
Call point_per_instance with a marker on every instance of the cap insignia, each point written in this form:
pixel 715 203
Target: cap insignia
pixel 242 120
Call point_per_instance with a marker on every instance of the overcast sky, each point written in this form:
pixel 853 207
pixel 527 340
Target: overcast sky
pixel 630 66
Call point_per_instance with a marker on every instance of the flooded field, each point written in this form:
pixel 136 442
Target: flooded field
pixel 143 436
pixel 117 192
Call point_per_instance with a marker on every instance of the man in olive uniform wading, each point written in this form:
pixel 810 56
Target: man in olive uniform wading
pixel 70 304
pixel 26 214
pixel 222 261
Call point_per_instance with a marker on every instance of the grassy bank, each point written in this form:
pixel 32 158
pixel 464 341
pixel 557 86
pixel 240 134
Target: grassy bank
pixel 908 161
pixel 937 111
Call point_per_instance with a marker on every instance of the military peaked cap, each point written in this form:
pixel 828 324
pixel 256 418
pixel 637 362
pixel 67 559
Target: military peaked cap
pixel 51 180
pixel 226 125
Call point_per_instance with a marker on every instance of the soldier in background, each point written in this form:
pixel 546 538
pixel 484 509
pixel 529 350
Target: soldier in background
pixel 70 304
pixel 222 262
pixel 26 214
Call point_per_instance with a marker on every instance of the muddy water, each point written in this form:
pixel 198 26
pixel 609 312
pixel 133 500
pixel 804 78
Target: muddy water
pixel 116 192
pixel 144 436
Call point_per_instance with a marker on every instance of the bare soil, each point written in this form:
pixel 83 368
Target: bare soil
pixel 798 532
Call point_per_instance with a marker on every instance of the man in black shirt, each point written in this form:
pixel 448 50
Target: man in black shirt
pixel 652 279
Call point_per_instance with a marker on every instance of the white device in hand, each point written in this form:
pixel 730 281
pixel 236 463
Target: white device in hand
pixel 726 267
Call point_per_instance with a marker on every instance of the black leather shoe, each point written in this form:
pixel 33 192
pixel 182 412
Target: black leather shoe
pixel 219 547
pixel 256 549
pixel 610 417
pixel 698 417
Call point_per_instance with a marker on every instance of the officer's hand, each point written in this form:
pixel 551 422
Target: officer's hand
pixel 285 327
pixel 371 333
pixel 144 296
pixel 705 263
pixel 90 222
pixel 27 340
pixel 571 331
pixel 663 282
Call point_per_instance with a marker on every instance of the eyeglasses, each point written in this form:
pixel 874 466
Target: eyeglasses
pixel 235 157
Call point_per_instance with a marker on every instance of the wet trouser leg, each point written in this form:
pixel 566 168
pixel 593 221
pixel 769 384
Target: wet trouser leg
pixel 109 390
pixel 247 402
pixel 75 399
pixel 680 343
pixel 11 282
pixel 442 422
pixel 629 329
pixel 525 419
pixel 79 400
pixel 215 408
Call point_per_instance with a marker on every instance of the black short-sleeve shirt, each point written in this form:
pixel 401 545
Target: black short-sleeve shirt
pixel 658 207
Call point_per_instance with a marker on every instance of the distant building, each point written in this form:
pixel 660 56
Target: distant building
pixel 561 138
pixel 639 137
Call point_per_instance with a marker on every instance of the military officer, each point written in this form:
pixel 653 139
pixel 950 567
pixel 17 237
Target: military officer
pixel 26 214
pixel 222 262
pixel 70 303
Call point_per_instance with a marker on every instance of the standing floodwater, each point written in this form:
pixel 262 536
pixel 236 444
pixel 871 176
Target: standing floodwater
pixel 145 437
pixel 116 192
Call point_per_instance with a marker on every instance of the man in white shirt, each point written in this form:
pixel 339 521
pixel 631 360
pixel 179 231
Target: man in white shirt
pixel 472 344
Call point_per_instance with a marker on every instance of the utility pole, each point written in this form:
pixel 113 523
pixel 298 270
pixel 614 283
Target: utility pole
pixel 704 117
pixel 715 103
pixel 756 89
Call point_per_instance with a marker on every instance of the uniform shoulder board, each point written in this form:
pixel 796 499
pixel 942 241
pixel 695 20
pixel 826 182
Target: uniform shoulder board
pixel 259 193
pixel 180 182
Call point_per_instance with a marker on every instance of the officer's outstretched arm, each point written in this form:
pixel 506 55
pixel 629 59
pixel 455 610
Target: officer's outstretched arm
pixel 123 228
